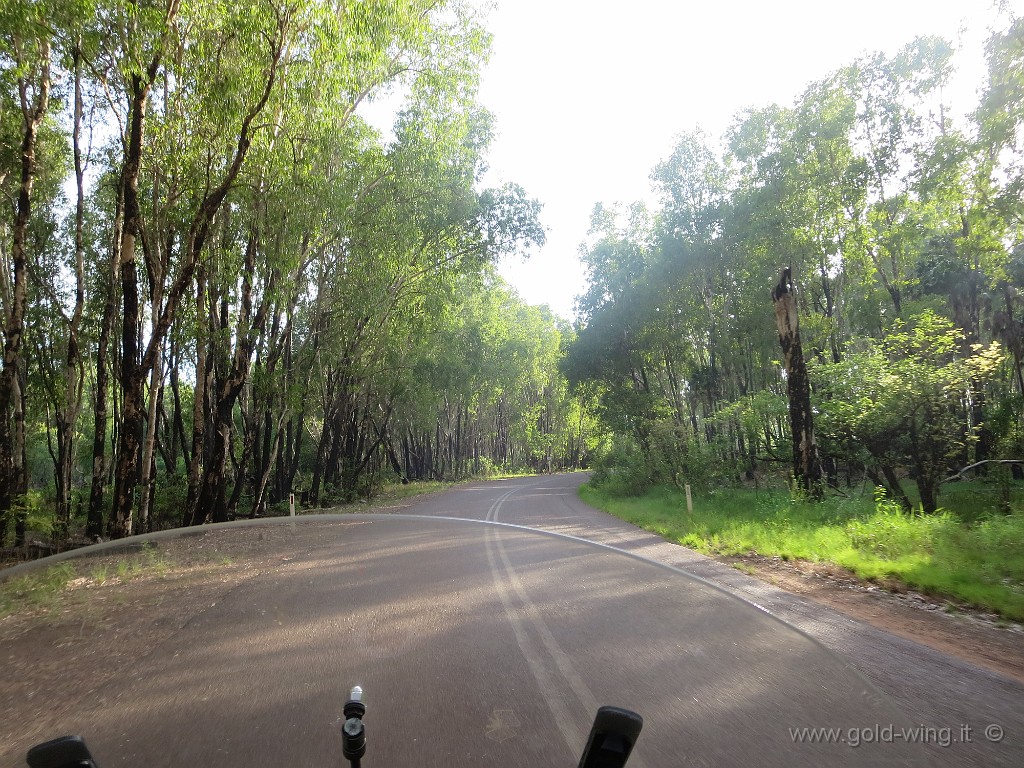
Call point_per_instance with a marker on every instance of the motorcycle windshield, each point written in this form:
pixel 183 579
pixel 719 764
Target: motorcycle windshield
pixel 481 644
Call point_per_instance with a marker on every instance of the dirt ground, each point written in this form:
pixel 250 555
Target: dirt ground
pixel 62 651
pixel 955 629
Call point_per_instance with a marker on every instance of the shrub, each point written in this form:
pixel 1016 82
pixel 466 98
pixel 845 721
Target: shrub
pixel 892 532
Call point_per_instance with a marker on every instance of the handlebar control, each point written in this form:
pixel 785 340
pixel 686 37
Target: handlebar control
pixel 609 745
pixel 612 737
pixel 65 752
pixel 353 733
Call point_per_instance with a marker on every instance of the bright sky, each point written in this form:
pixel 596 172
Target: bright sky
pixel 589 95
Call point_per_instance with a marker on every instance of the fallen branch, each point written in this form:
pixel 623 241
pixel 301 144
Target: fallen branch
pixel 960 475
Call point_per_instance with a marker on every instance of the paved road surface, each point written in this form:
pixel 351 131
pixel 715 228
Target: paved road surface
pixel 936 690
pixel 491 645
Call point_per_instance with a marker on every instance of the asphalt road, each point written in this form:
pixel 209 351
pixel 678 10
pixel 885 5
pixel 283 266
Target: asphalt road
pixel 483 644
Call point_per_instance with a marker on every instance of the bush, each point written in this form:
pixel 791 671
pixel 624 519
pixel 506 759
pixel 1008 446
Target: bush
pixel 671 460
pixel 170 493
pixel 35 509
pixel 892 532
pixel 621 471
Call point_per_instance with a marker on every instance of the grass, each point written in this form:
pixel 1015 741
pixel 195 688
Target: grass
pixel 395 491
pixel 37 590
pixel 44 589
pixel 979 562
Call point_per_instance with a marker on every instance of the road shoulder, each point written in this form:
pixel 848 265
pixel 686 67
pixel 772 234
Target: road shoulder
pixel 957 630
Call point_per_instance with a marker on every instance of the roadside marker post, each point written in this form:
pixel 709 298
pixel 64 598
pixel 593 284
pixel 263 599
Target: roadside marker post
pixel 689 500
pixel 291 504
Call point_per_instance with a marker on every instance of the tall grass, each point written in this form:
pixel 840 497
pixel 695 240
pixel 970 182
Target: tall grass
pixel 980 563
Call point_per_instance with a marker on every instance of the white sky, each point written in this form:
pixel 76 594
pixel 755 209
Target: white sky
pixel 588 96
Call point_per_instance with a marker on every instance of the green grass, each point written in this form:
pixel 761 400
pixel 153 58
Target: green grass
pixel 37 590
pixel 980 563
pixel 390 492
pixel 44 589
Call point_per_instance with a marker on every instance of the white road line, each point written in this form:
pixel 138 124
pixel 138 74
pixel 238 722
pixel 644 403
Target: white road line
pixel 575 739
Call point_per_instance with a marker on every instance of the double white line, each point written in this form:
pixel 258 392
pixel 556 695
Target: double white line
pixel 546 660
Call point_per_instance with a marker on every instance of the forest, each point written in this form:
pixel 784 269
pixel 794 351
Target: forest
pixel 221 285
pixel 894 231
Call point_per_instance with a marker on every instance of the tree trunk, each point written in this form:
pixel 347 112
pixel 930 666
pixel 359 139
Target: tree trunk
pixel 178 419
pixel 259 495
pixel 198 232
pixel 129 441
pixel 147 480
pixel 74 375
pixel 20 464
pixel 156 264
pixel 94 526
pixel 33 111
pixel 213 492
pixel 325 438
pixel 194 514
pixel 806 464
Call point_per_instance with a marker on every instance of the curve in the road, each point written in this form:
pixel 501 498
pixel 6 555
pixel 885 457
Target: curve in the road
pixel 481 642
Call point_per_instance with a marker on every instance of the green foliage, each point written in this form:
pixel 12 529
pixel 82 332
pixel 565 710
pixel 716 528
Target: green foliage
pixel 978 563
pixel 168 501
pixel 892 533
pixel 900 399
pixel 35 591
pixel 33 510
pixel 621 470
pixel 896 230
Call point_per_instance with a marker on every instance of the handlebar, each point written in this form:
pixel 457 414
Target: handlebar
pixel 612 736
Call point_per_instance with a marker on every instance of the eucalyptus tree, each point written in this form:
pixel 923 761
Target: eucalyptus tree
pixel 900 114
pixel 965 180
pixel 693 256
pixel 26 75
pixel 691 340
pixel 898 400
pixel 807 469
pixel 448 417
pixel 1000 118
pixel 418 228
pixel 256 40
pixel 707 252
pixel 364 48
pixel 61 303
pixel 547 406
pixel 74 362
pixel 619 346
pixel 482 390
